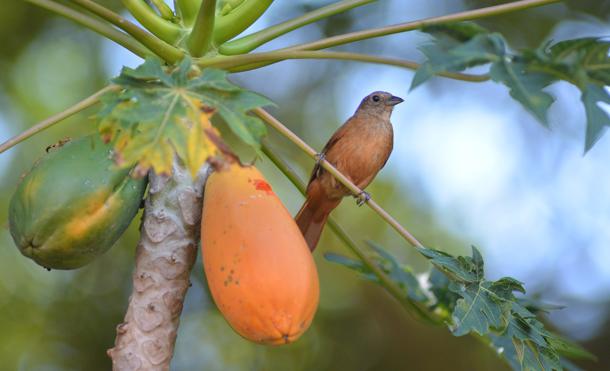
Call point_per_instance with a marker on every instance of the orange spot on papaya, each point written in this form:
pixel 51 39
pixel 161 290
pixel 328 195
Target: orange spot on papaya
pixel 261 185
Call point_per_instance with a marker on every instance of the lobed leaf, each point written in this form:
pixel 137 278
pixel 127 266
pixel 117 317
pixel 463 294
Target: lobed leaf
pixel 525 87
pixel 461 269
pixel 449 56
pixel 583 62
pixel 161 113
pixel 470 303
pixel 597 119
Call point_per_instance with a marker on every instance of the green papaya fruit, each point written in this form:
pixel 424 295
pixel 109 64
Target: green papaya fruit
pixel 73 205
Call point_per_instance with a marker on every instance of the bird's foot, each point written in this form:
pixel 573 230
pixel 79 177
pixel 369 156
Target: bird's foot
pixel 320 157
pixel 362 198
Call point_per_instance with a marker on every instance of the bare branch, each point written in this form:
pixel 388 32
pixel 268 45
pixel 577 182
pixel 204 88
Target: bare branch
pixel 48 122
pixel 247 62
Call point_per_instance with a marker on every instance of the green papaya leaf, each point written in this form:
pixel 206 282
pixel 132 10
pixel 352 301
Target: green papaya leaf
pixel 161 112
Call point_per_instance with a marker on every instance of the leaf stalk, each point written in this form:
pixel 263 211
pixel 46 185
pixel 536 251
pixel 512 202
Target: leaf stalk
pixel 237 20
pixel 246 62
pixel 250 42
pixel 50 121
pixel 167 31
pixel 157 46
pixel 467 15
pixel 187 10
pixel 201 36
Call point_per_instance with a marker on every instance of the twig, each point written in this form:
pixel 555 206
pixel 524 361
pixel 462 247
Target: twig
pixel 48 122
pixel 410 26
pixel 243 62
pixel 250 42
pixel 277 125
pixel 95 25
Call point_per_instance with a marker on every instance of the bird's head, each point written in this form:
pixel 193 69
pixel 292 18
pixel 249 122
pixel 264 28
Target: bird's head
pixel 379 103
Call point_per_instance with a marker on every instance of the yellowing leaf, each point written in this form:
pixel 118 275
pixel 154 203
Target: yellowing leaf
pixel 199 146
pixel 159 114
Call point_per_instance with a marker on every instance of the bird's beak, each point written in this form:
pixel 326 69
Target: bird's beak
pixel 395 100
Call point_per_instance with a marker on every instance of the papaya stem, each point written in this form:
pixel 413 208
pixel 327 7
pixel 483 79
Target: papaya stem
pixel 165 256
pixel 48 122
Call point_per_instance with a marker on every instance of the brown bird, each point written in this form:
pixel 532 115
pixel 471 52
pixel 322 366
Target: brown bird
pixel 358 149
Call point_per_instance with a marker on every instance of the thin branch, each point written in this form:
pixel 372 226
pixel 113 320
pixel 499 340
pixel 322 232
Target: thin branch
pixel 273 122
pixel 391 286
pixel 240 63
pixel 162 28
pixel 201 36
pixel 410 26
pixel 247 43
pixel 47 123
pixel 95 25
pixel 156 45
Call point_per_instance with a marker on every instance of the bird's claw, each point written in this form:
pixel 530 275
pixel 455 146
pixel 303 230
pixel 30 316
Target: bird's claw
pixel 320 157
pixel 362 198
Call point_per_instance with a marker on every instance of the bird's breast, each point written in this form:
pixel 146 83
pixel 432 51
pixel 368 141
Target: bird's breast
pixel 362 153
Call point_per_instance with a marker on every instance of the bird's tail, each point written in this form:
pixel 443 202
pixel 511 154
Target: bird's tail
pixel 312 218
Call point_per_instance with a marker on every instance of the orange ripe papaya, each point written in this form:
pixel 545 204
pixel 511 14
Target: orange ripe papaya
pixel 259 269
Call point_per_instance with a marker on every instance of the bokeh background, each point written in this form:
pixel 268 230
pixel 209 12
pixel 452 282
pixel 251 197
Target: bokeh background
pixel 470 166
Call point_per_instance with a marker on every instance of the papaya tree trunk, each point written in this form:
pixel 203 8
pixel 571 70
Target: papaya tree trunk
pixel 165 255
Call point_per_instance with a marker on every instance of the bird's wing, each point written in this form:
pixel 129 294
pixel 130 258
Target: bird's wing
pixel 318 170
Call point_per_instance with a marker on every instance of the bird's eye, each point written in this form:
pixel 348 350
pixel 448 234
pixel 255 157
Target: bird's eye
pixel 376 98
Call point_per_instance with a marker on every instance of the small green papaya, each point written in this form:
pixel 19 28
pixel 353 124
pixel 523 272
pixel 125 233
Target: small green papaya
pixel 73 204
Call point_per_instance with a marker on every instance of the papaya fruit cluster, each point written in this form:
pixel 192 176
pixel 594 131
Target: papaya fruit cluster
pixel 73 205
